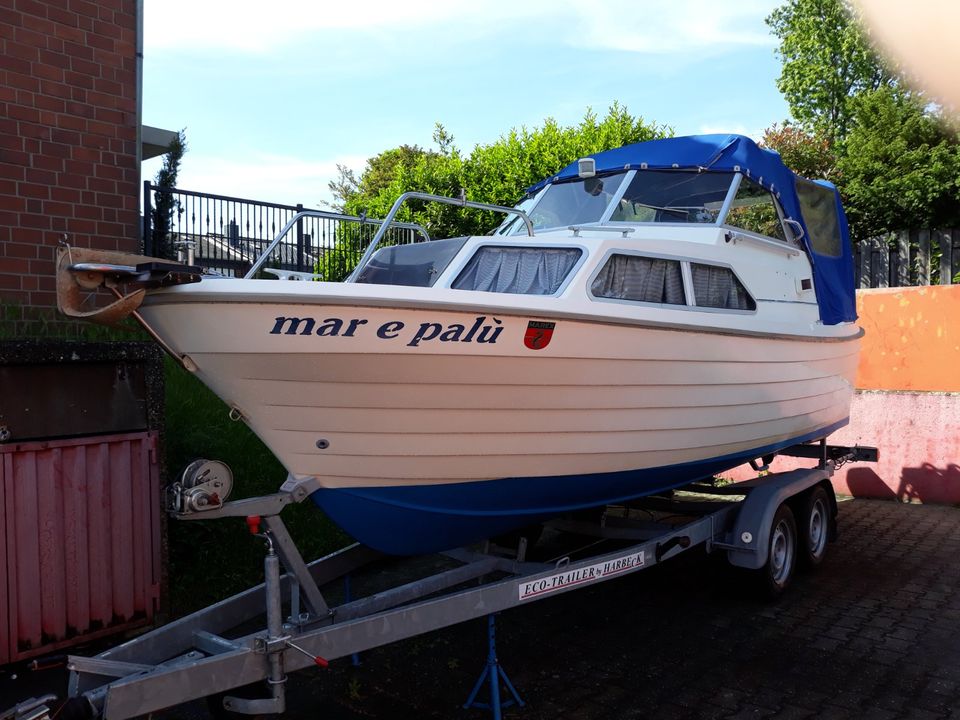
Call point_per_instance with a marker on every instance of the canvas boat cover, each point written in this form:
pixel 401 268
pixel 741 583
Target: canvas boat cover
pixel 833 276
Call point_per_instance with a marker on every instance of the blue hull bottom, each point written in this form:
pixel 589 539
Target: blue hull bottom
pixel 428 518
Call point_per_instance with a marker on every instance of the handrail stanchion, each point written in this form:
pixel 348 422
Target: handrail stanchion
pixel 321 214
pixel 461 201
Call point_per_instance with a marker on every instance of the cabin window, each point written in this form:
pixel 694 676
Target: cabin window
pixel 523 270
pixel 754 209
pixel 819 207
pixel 644 279
pixel 718 287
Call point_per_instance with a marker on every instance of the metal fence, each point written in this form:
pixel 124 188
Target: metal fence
pixel 908 257
pixel 228 234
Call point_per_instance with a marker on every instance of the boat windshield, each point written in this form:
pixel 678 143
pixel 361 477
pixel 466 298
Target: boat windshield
pixel 667 196
pixel 673 196
pixel 574 203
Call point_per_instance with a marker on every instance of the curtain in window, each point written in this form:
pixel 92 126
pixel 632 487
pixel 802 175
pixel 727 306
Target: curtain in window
pixel 718 287
pixel 530 271
pixel 631 277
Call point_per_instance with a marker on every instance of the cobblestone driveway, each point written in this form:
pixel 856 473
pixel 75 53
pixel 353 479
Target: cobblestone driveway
pixel 874 633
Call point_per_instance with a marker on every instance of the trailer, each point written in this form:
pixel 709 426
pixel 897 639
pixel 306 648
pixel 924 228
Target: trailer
pixel 766 525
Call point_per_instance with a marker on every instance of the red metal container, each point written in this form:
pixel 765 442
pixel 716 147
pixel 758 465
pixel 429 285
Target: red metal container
pixel 79 540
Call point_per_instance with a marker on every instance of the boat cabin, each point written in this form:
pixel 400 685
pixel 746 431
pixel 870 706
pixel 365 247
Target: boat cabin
pixel 690 193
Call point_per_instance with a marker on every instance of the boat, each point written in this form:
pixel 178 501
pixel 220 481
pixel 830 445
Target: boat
pixel 648 316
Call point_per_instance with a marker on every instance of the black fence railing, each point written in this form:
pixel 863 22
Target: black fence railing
pixel 228 234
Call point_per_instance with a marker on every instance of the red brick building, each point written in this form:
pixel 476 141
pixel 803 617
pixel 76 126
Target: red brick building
pixel 70 145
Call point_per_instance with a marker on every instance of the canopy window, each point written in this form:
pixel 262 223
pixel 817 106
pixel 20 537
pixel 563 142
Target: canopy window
pixel 754 209
pixel 819 207
pixel 673 196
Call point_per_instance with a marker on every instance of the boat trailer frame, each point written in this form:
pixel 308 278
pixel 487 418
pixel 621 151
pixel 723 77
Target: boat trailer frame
pixel 191 658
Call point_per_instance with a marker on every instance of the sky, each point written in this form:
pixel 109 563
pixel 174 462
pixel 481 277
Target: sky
pixel 274 94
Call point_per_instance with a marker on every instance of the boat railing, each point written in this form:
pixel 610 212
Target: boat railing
pixel 265 255
pixel 624 231
pixel 461 202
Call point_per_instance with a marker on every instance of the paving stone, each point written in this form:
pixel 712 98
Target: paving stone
pixel 864 637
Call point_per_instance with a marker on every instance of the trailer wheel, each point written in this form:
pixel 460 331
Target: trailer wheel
pixel 814 527
pixel 775 576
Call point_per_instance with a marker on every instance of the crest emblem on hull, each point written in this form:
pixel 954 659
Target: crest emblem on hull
pixel 538 334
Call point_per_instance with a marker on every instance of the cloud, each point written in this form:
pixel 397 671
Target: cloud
pixel 681 26
pixel 267 178
pixel 731 129
pixel 671 26
pixel 253 27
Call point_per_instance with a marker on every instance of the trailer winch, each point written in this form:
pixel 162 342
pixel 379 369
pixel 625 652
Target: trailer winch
pixel 204 485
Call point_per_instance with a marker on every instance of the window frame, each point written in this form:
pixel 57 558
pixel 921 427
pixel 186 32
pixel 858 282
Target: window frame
pixel 789 240
pixel 606 213
pixel 691 262
pixel 686 272
pixel 605 259
pixel 735 176
pixel 456 270
pixel 798 182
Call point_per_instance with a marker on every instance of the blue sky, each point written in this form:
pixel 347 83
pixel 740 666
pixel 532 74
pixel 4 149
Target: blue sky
pixel 274 94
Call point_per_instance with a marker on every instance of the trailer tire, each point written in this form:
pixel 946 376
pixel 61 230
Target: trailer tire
pixel 815 520
pixel 776 574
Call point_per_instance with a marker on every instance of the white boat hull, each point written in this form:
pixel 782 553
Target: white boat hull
pixel 381 410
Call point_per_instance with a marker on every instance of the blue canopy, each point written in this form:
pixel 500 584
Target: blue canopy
pixel 833 275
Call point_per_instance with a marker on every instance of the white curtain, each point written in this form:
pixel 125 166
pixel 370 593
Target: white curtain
pixel 717 287
pixel 530 271
pixel 632 277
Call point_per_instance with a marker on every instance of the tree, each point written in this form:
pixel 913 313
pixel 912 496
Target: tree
pixel 164 203
pixel 802 152
pixel 827 61
pixel 497 173
pixel 378 174
pixel 901 166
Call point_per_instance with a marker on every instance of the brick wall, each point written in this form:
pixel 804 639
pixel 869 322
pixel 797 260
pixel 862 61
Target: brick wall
pixel 68 129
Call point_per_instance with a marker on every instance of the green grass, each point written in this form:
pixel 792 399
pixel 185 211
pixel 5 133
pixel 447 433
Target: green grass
pixel 212 559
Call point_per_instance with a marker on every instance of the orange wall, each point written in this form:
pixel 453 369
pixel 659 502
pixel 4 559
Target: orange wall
pixel 912 339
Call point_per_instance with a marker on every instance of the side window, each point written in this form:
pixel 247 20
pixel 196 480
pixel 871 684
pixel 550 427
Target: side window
pixel 754 209
pixel 819 207
pixel 645 279
pixel 522 270
pixel 718 287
